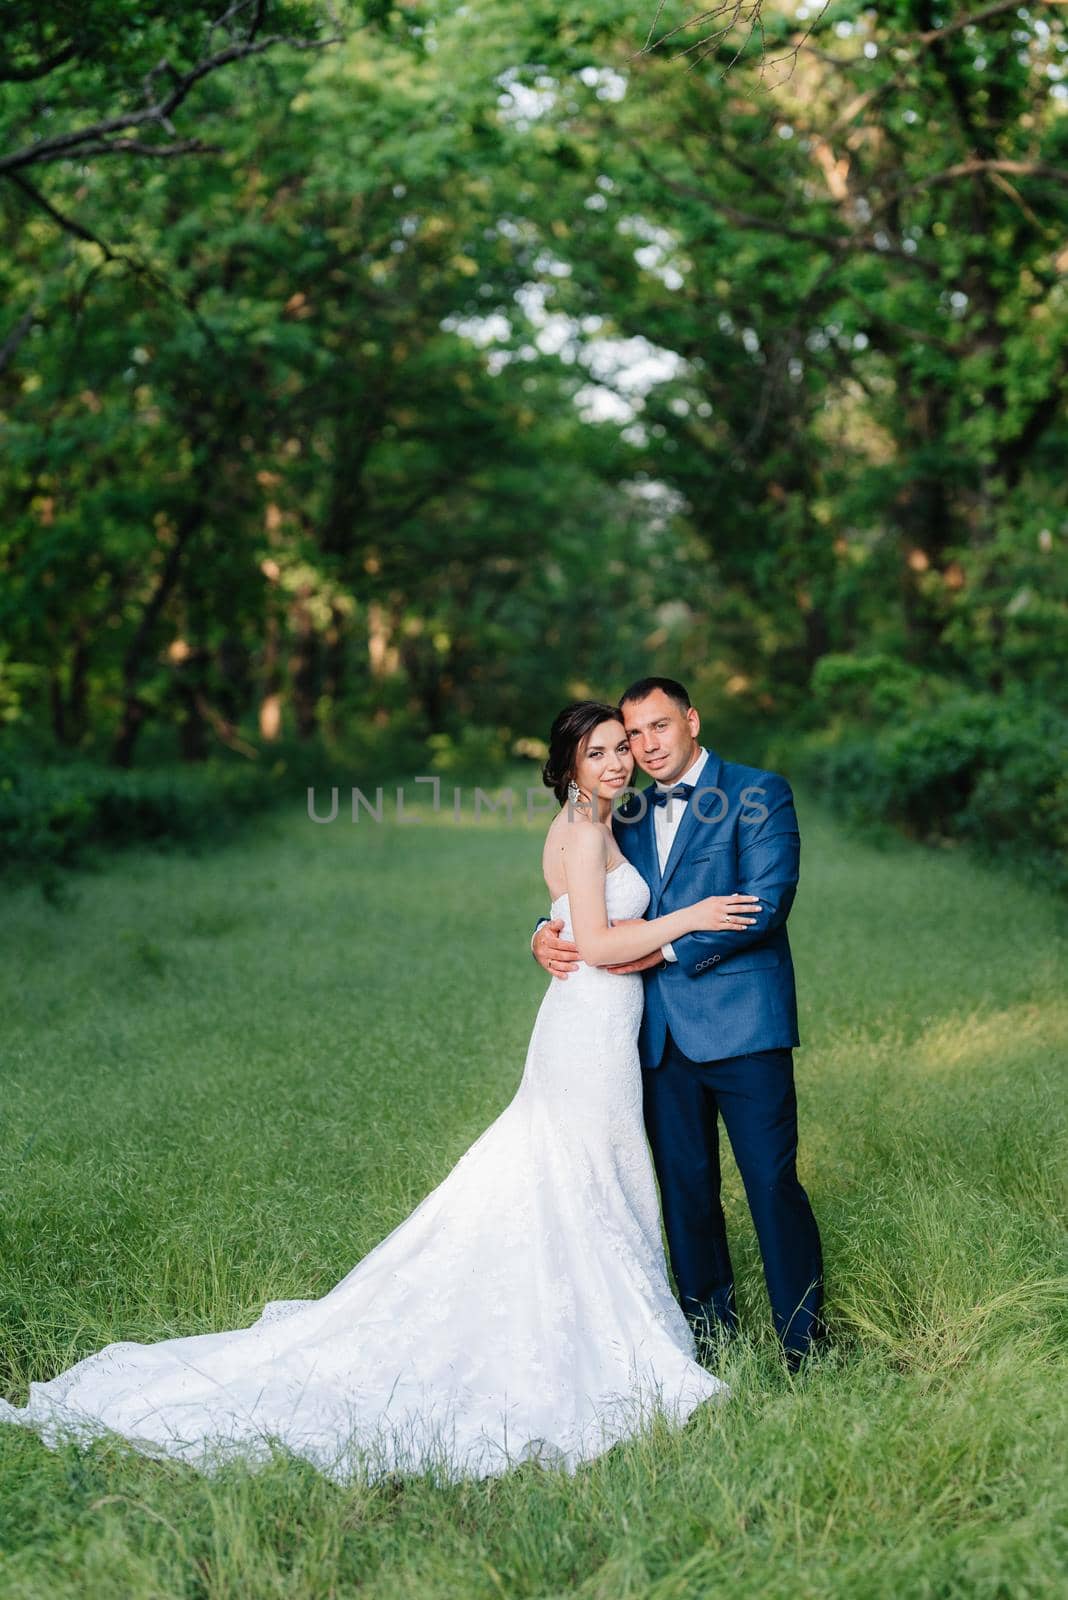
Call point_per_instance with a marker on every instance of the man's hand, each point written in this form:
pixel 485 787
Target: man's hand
pixel 558 956
pixel 654 959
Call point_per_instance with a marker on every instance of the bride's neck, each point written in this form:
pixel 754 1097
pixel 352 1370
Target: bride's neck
pixel 601 815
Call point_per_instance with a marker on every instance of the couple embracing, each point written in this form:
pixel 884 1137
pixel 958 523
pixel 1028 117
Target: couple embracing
pixel 523 1310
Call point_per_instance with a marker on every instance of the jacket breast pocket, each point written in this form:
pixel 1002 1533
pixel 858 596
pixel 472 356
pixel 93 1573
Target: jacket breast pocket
pixel 715 870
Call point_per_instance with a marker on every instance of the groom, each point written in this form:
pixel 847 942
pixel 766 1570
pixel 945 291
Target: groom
pixel 720 1017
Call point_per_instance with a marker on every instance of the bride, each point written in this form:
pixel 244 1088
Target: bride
pixel 523 1310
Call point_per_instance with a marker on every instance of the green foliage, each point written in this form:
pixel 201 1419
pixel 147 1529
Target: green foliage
pixel 54 815
pixel 331 433
pixel 873 689
pixel 476 751
pixel 943 765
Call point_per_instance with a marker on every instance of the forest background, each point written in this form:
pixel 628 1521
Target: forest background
pixel 375 378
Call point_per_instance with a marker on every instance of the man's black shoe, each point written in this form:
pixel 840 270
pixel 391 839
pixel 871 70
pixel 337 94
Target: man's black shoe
pixel 713 1340
pixel 795 1359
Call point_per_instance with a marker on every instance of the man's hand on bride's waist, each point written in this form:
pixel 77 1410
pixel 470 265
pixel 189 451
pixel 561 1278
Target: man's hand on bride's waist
pixel 558 956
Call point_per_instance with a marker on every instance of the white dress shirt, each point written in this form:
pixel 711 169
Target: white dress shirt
pixel 666 821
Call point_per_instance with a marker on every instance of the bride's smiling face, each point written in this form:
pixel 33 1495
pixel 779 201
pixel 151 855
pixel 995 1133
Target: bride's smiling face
pixel 604 761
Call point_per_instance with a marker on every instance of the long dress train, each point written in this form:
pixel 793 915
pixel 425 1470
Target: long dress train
pixel 522 1309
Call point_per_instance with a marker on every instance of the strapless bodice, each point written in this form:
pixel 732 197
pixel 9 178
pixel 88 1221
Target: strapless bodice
pixel 626 894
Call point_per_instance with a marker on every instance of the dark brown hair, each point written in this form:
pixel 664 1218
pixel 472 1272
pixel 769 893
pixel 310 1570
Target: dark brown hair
pixel 645 686
pixel 573 724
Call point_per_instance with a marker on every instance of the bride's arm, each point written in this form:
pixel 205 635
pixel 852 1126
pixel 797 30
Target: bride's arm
pixel 600 945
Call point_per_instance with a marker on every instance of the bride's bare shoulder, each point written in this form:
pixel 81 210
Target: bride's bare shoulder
pixel 574 837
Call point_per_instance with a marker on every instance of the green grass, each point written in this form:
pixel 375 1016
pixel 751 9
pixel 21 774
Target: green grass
pixel 225 1079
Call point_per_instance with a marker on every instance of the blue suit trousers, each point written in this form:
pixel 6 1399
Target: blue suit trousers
pixel 755 1096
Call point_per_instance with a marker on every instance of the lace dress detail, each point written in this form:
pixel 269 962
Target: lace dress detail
pixel 522 1309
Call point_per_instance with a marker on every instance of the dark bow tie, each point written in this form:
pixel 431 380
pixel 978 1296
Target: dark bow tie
pixel 681 791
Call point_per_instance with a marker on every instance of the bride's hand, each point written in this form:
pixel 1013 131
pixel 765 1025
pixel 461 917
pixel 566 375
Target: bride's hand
pixel 720 912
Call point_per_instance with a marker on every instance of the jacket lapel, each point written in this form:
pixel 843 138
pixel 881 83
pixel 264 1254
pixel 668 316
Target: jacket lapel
pixel 650 866
pixel 706 778
pixel 637 837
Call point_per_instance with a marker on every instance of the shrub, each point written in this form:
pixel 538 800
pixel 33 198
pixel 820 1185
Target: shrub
pixel 54 815
pixel 945 764
pixel 872 688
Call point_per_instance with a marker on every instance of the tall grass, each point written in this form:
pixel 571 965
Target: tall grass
pixel 225 1079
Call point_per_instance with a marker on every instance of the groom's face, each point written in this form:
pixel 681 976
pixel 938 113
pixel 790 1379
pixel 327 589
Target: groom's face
pixel 663 736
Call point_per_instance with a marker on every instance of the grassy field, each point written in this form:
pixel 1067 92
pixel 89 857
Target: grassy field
pixel 225 1078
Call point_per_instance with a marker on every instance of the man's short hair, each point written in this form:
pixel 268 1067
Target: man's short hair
pixel 647 686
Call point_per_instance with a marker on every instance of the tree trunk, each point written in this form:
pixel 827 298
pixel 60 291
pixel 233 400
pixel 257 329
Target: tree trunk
pixel 335 662
pixel 270 713
pixel 78 691
pixel 58 706
pixel 134 709
pixel 304 667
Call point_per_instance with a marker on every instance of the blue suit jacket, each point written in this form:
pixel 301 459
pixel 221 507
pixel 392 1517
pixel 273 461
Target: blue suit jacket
pixel 729 993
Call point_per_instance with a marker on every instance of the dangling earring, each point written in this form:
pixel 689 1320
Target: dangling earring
pixel 573 792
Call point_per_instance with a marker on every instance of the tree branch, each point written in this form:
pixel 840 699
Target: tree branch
pixel 68 224
pixel 726 16
pixel 41 69
pixel 132 263
pixel 840 244
pixel 134 147
pixel 159 110
pixel 970 20
pixel 16 336
pixel 968 169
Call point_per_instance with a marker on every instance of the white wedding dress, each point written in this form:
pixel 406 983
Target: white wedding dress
pixel 522 1310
